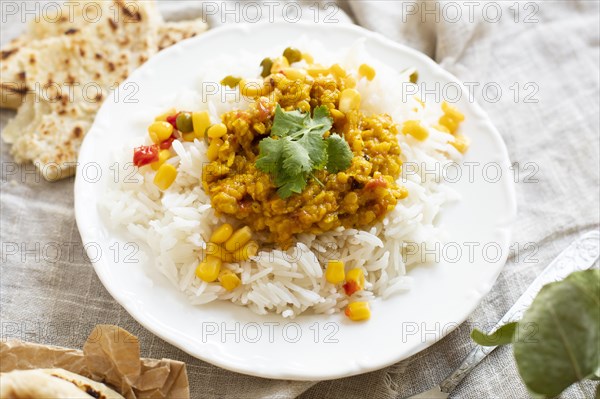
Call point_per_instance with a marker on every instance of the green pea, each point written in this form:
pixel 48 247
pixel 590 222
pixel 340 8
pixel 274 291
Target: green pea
pixel 292 54
pixel 231 81
pixel 266 65
pixel 184 122
pixel 414 77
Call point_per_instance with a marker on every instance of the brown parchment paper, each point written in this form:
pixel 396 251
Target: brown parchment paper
pixel 110 355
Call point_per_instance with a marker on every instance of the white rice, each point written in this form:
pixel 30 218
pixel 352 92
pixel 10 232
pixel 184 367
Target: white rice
pixel 176 225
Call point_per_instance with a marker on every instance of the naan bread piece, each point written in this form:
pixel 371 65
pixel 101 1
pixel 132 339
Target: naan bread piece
pixel 28 384
pixel 81 15
pixel 74 16
pixel 70 76
pixel 91 387
pixel 51 142
pixel 170 33
pixel 59 74
pixel 12 77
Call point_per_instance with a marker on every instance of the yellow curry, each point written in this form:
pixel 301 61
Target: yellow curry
pixel 357 196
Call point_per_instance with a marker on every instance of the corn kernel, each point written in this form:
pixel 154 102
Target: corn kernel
pixel 452 112
pixel 308 58
pixel 337 70
pixel 189 136
pixel 222 233
pixel 253 88
pixel 165 176
pixel 229 280
pixel 293 73
pixel 337 115
pixel 335 273
pixel 358 311
pixel 214 249
pixel 415 129
pixel 163 117
pixel 403 193
pixel 355 281
pixel 208 270
pixel 163 155
pixel 218 251
pixel 259 127
pixel 349 100
pixel 317 70
pixel 201 122
pixel 212 153
pixel 246 252
pixel 216 131
pixel 279 63
pixel 461 143
pixel 366 71
pixel 159 131
pixel 450 123
pixel 238 239
pixel 303 106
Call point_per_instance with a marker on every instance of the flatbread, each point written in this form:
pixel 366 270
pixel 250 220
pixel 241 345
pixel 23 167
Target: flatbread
pixel 13 85
pixel 12 76
pixel 91 387
pixel 61 77
pixel 35 384
pixel 170 33
pixel 71 20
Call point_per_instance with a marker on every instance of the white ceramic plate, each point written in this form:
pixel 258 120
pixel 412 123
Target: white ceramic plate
pixel 310 347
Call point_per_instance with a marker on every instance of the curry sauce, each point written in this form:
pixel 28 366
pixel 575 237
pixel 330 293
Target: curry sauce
pixel 356 197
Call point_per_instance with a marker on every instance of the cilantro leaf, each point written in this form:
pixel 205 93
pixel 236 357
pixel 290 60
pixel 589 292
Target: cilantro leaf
pixel 296 149
pixel 317 149
pixel 288 122
pixel 294 184
pixel 339 155
pixel 296 123
pixel 295 158
pixel 269 158
pixel 321 122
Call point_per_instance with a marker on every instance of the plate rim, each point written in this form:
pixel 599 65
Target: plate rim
pixel 145 320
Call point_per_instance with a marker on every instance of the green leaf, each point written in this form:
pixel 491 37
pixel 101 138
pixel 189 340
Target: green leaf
pixel 339 155
pixel 321 121
pixel 293 184
pixel 317 149
pixel 566 345
pixel 300 149
pixel 295 158
pixel 502 336
pixel 288 122
pixel 270 152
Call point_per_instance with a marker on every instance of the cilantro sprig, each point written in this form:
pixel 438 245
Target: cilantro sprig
pixel 296 149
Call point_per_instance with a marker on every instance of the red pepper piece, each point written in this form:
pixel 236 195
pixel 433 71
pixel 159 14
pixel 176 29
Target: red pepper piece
pixel 145 154
pixel 172 119
pixel 165 145
pixel 351 287
pixel 373 184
